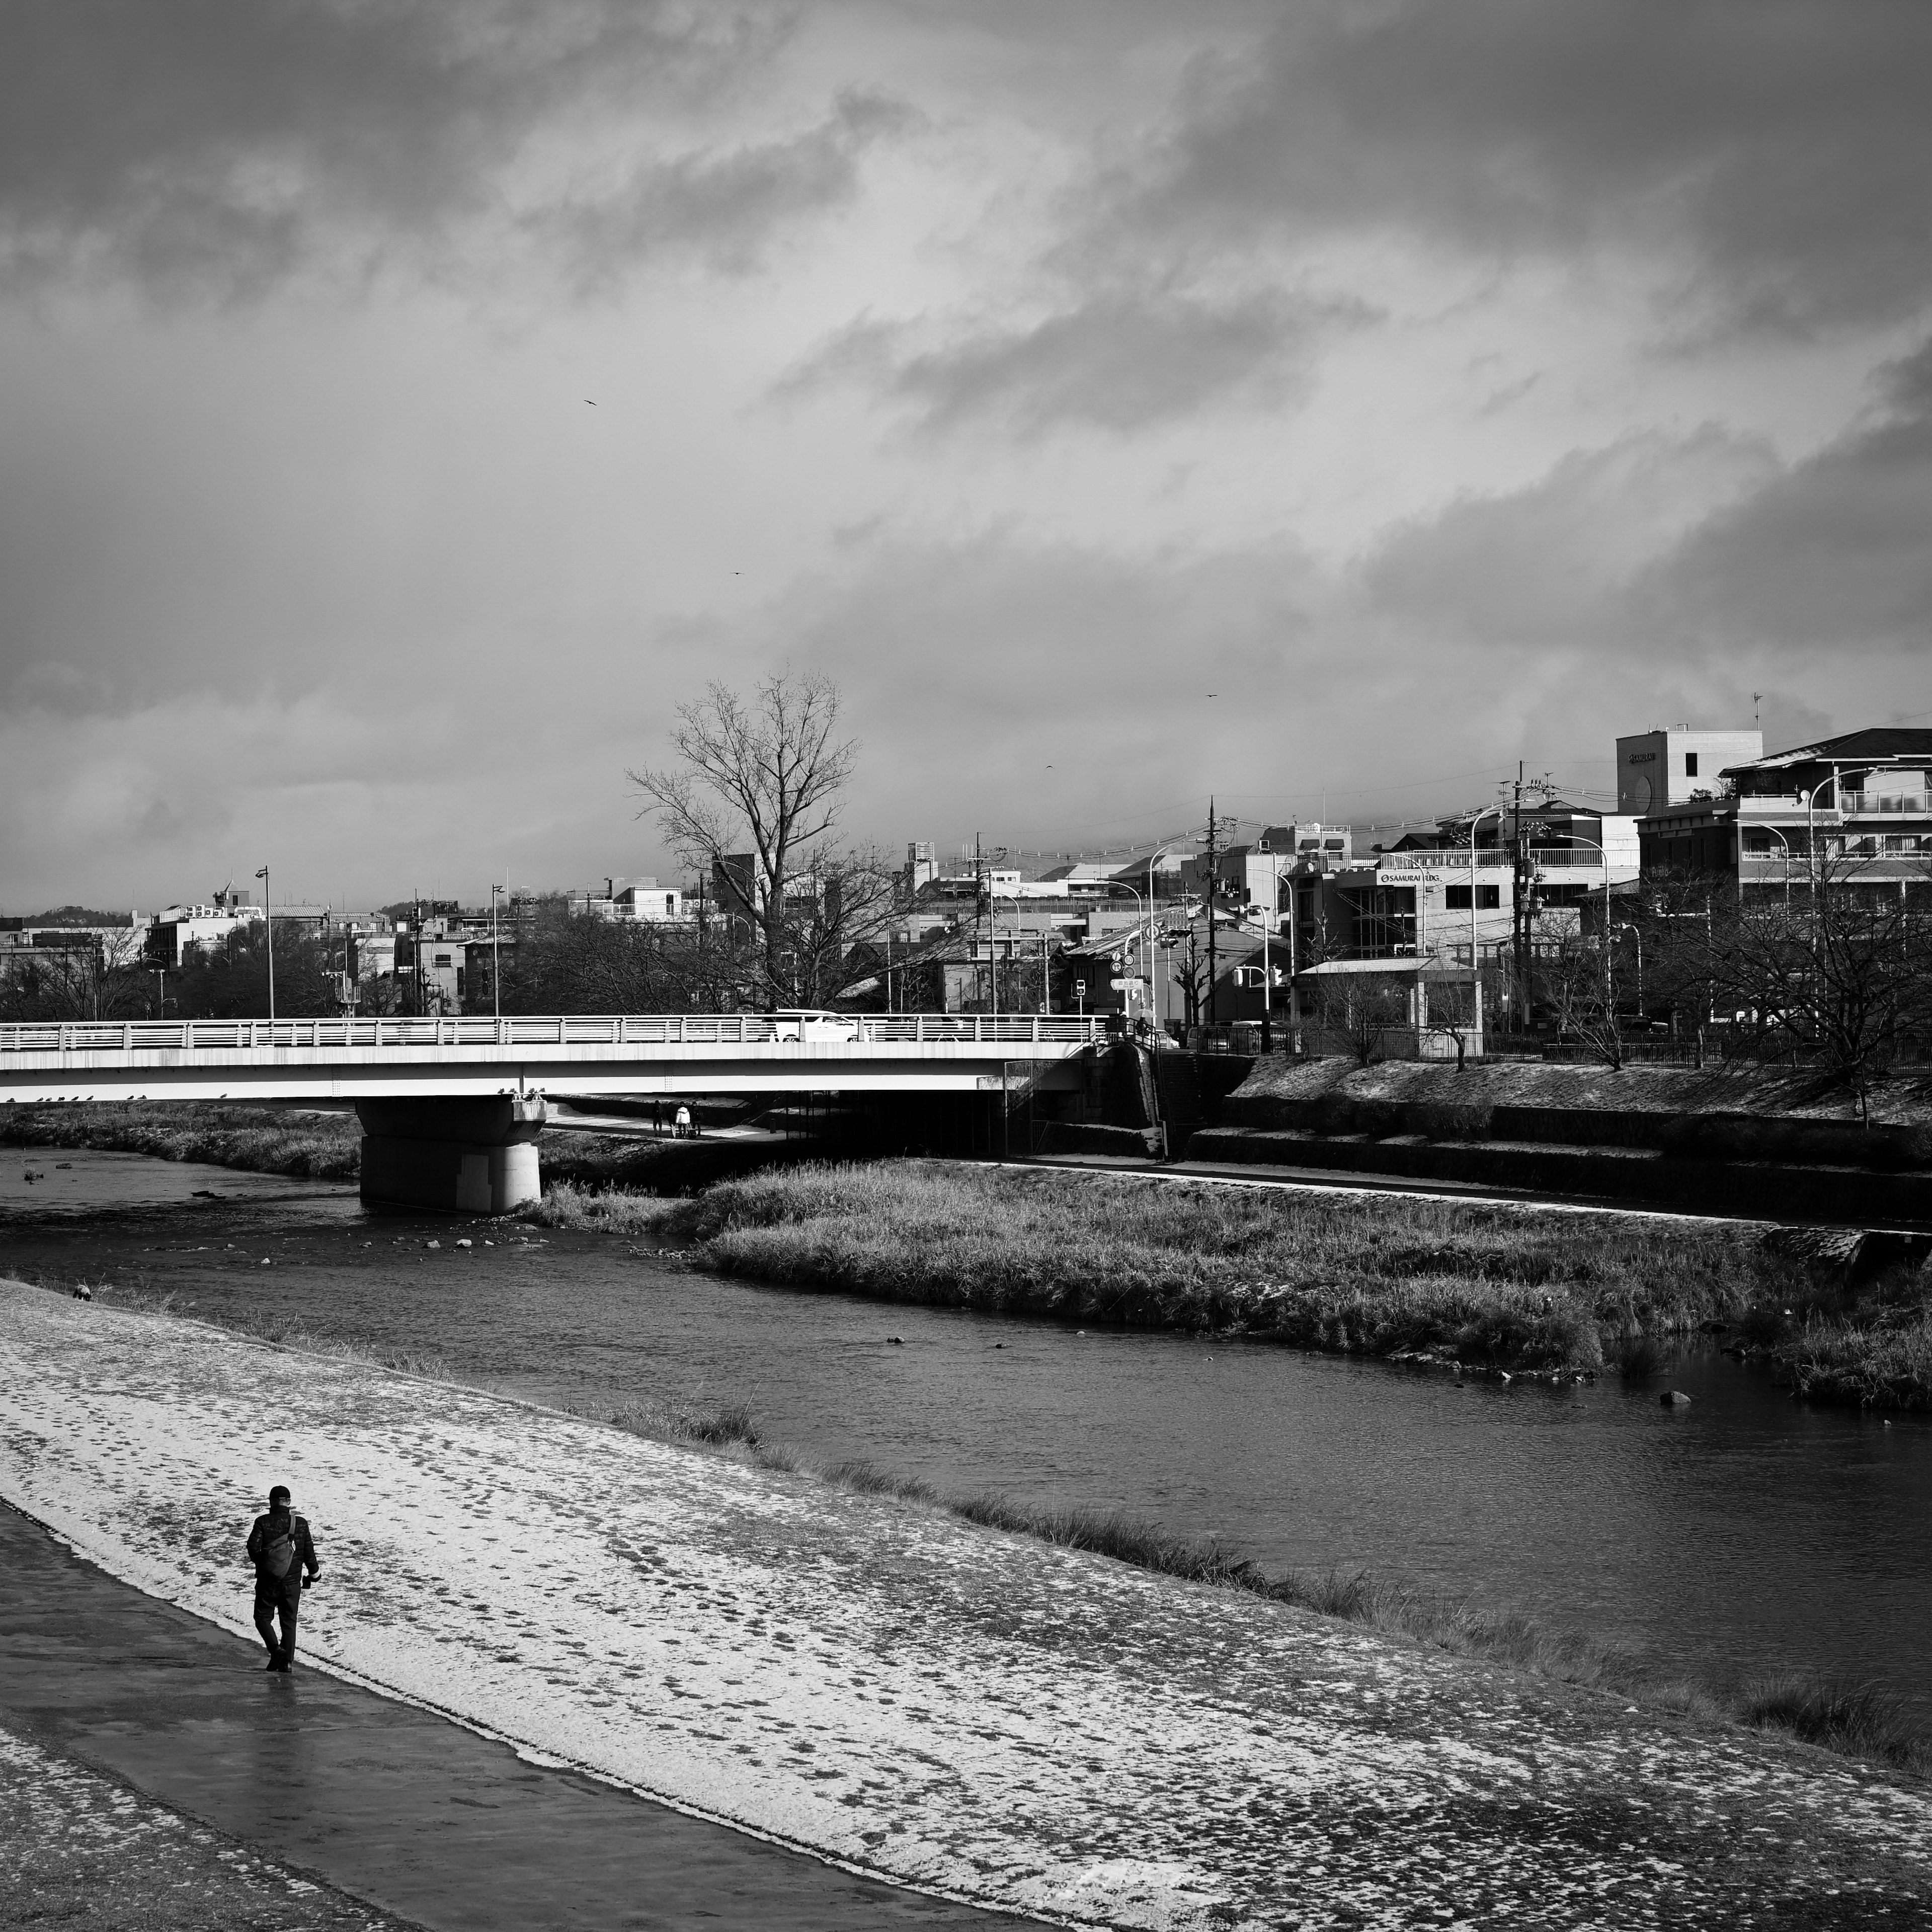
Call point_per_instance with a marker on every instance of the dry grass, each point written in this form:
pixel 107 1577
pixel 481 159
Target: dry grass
pixel 1885 1362
pixel 1856 1719
pixel 1494 1286
pixel 258 1140
pixel 601 1211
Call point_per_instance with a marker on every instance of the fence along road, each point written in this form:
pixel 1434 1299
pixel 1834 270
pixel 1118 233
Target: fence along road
pixel 349 1059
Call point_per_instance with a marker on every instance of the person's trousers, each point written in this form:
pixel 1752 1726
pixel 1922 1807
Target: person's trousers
pixel 278 1596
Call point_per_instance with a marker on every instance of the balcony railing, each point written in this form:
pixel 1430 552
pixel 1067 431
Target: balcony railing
pixel 723 1030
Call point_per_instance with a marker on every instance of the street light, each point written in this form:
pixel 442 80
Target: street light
pixel 1141 921
pixel 1786 843
pixel 1636 933
pixel 496 954
pixel 1576 838
pixel 1475 957
pixel 1045 974
pixel 269 927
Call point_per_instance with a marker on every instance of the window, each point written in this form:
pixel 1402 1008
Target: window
pixel 442 958
pixel 1689 764
pixel 1456 899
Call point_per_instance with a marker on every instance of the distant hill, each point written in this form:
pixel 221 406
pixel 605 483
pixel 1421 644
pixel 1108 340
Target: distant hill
pixel 74 915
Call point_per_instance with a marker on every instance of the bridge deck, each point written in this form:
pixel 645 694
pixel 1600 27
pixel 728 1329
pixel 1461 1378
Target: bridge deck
pixel 677 1053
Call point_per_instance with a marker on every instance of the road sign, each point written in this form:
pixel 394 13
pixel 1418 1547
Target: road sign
pixel 1127 985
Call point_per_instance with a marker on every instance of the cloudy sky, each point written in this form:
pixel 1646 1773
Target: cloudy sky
pixel 403 405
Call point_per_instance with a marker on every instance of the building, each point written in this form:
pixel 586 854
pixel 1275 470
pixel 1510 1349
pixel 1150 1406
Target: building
pixel 636 900
pixel 1429 895
pixel 431 963
pixel 1856 802
pixel 1659 769
pixel 181 929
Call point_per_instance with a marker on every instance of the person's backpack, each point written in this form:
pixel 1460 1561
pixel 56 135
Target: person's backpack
pixel 278 1546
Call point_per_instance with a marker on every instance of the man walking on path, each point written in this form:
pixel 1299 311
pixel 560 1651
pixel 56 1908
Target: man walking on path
pixel 281 1549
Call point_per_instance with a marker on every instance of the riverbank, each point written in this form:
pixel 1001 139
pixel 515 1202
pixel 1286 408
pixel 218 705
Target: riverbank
pixel 1854 1718
pixel 978 1714
pixel 253 1139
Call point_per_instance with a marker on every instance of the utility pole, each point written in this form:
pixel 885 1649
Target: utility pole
pixel 1518 913
pixel 1213 1011
pixel 979 926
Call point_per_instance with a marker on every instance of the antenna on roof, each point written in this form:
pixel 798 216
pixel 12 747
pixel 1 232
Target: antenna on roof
pixel 1757 698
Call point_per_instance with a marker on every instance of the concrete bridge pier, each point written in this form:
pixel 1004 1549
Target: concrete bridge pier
pixel 465 1156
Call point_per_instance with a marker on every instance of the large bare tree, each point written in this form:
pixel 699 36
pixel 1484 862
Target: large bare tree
pixel 753 800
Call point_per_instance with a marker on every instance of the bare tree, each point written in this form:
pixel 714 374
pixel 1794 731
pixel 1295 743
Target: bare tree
pixel 89 975
pixel 1188 968
pixel 1582 981
pixel 755 801
pixel 1449 1008
pixel 1838 973
pixel 1360 1009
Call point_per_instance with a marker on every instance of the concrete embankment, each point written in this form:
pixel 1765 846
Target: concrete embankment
pixel 1712 1143
pixel 975 1714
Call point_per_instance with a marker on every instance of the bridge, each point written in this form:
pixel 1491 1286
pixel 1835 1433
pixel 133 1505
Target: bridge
pixel 452 1108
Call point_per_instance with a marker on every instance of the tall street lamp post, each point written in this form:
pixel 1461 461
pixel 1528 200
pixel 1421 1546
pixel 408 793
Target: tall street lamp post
pixel 1475 958
pixel 268 928
pixel 1140 920
pixel 496 954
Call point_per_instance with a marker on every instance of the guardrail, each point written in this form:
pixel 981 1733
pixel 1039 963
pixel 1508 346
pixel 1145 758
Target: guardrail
pixel 781 1029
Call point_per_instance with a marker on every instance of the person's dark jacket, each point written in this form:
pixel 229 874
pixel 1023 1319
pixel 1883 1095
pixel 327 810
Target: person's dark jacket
pixel 267 1529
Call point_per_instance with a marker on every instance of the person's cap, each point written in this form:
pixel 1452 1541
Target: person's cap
pixel 278 1494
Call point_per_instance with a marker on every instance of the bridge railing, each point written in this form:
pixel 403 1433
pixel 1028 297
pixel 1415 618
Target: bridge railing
pixel 828 1030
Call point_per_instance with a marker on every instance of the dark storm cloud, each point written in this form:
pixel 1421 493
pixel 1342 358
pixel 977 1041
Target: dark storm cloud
pixel 1832 555
pixel 1778 152
pixel 216 145
pixel 725 205
pixel 1658 550
pixel 1546 567
pixel 1116 360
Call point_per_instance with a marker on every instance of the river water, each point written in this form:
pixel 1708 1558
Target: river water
pixel 1747 1532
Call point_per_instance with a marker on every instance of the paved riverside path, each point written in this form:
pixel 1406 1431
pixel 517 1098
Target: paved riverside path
pixel 985 1716
pixel 390 1803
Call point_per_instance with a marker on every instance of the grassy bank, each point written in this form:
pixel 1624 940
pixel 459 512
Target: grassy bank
pixel 1497 1287
pixel 1882 1362
pixel 259 1140
pixel 1491 1287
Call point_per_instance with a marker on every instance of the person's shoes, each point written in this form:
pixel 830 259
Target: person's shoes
pixel 280 1663
pixel 274 1662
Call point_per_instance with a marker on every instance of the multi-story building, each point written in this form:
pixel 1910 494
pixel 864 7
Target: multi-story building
pixel 179 930
pixel 1429 894
pixel 1857 802
pixel 1658 770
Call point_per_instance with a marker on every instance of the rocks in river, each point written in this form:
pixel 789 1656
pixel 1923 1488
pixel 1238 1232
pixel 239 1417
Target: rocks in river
pixel 432 1244
pixel 1674 1399
pixel 465 1242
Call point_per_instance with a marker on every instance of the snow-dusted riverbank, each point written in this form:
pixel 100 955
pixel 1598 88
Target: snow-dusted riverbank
pixel 977 1714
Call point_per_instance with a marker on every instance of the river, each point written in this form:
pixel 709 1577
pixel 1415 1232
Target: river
pixel 1745 1533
